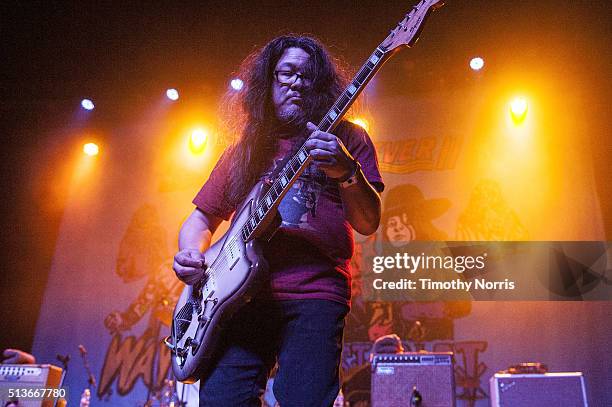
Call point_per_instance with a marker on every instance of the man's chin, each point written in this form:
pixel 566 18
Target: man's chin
pixel 291 115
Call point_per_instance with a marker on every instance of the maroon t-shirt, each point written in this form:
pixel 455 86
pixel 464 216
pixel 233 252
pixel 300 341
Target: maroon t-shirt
pixel 309 256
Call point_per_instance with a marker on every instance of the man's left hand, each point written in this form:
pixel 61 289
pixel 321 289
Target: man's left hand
pixel 329 153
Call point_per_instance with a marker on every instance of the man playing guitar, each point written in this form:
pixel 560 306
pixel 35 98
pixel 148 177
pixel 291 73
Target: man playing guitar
pixel 297 317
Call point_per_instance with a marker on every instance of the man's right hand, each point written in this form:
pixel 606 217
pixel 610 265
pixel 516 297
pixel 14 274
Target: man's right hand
pixel 189 266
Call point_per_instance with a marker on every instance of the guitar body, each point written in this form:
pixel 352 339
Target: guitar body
pixel 235 270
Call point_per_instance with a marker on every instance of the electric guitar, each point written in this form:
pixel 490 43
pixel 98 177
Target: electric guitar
pixel 236 266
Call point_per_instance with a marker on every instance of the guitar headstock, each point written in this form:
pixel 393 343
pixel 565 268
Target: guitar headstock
pixel 407 31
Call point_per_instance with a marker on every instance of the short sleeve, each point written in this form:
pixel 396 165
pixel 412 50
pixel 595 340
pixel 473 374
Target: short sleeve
pixel 212 197
pixel 358 143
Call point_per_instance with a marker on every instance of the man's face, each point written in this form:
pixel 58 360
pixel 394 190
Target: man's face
pixel 288 98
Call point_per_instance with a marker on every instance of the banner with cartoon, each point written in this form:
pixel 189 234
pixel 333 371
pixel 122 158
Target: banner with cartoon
pixel 450 175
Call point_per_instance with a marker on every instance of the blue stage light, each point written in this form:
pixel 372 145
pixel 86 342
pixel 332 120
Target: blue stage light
pixel 172 94
pixel 237 84
pixel 87 104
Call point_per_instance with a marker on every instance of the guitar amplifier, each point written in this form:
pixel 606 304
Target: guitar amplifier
pixel 538 390
pixel 21 378
pixel 397 378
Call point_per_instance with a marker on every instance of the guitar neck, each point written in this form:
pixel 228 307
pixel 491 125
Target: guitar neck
pixel 336 113
pixel 301 159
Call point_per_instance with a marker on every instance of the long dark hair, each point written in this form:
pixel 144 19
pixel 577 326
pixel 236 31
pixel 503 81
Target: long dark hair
pixel 250 113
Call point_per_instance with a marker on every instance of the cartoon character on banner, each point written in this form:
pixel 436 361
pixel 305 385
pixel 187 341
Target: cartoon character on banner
pixel 143 252
pixel 407 217
pixel 488 216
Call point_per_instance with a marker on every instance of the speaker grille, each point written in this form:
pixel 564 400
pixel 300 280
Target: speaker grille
pixel 395 376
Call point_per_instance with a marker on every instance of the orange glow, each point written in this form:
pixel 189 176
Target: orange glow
pixel 360 121
pixel 198 140
pixel 91 149
pixel 518 109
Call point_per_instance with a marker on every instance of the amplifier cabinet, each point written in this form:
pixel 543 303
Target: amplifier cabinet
pixel 28 377
pixel 395 376
pixel 538 390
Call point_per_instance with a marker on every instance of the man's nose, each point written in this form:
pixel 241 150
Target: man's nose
pixel 298 83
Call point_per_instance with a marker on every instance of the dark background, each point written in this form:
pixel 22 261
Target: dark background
pixel 56 53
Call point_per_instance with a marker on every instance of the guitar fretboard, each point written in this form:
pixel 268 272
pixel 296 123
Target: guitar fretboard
pixel 346 99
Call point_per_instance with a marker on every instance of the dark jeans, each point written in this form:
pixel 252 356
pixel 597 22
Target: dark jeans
pixel 303 336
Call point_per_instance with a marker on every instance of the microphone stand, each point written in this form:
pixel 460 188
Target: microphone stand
pixel 91 380
pixel 64 361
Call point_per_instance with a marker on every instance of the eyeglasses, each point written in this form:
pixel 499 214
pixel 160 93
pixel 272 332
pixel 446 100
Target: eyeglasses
pixel 290 77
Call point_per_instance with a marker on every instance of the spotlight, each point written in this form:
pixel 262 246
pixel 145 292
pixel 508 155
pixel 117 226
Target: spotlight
pixel 91 149
pixel 477 63
pixel 236 84
pixel 518 109
pixel 359 121
pixel 197 141
pixel 87 104
pixel 172 94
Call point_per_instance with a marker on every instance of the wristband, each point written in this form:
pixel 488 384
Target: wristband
pixel 353 178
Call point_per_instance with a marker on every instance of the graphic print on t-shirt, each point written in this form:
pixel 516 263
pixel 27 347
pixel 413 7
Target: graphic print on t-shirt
pixel 300 203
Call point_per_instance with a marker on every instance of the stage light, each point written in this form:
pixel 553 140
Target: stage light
pixel 197 141
pixel 518 109
pixel 236 84
pixel 359 121
pixel 172 94
pixel 476 63
pixel 91 149
pixel 87 104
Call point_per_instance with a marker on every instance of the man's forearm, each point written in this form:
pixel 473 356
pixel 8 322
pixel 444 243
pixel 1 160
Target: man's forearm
pixel 196 232
pixel 361 205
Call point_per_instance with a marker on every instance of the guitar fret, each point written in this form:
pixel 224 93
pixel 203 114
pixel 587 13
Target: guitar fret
pixel 362 75
pixel 295 163
pixel 325 124
pixel 343 101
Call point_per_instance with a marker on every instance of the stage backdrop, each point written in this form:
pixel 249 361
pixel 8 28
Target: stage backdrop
pixel 454 169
